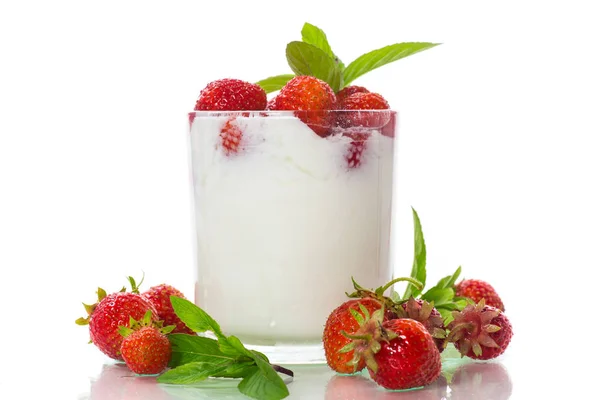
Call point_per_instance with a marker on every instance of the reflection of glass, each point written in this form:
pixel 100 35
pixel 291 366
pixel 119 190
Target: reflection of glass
pixel 284 218
pixel 478 381
pixel 117 382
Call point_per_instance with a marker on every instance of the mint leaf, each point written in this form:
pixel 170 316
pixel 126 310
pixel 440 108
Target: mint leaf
pixel 194 317
pixel 193 372
pixel 385 55
pixel 420 258
pixel 439 296
pixel 263 382
pixel 274 83
pixel 306 59
pixel 315 36
pixel 188 348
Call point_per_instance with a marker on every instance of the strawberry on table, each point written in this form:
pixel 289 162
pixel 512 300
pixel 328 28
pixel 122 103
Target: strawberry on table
pixel 160 297
pixel 476 290
pixel 145 347
pixel 479 331
pixel 342 320
pixel 310 97
pixel 231 95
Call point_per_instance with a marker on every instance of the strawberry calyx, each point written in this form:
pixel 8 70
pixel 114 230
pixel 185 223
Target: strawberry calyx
pixel 378 294
pixel 146 321
pixel 471 328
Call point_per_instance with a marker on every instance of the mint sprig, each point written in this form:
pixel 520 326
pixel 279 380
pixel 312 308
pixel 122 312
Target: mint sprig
pixel 419 271
pixel 197 358
pixel 314 56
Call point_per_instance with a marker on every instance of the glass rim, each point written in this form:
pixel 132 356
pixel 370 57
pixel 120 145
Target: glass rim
pixel 266 113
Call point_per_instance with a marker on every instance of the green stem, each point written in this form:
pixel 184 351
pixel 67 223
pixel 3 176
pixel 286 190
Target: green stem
pixel 412 281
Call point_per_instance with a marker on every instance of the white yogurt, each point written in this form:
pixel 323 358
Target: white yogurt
pixel 284 224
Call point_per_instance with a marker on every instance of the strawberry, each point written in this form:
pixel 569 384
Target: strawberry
pixel 160 297
pixel 348 90
pixel 231 95
pixel 231 137
pixel 356 147
pixel 145 347
pixel 271 104
pixel 111 311
pixel 476 290
pixel 364 103
pixel 310 97
pixel 402 355
pixel 425 313
pixel 479 331
pixel 343 319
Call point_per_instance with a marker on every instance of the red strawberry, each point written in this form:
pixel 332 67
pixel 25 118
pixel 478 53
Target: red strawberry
pixel 231 137
pixel 480 332
pixel 425 313
pixel 342 320
pixel 146 348
pixel 109 313
pixel 231 95
pixel 477 290
pixel 310 97
pixel 356 147
pixel 348 90
pixel 159 296
pixel 408 356
pixel 271 104
pixel 364 103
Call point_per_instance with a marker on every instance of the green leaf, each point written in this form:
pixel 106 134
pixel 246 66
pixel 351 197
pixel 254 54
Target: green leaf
pixel 385 55
pixel 306 59
pixel 446 315
pixel 194 317
pixel 274 83
pixel 263 383
pixel 315 36
pixel 188 348
pixel 193 372
pixel 233 346
pixel 419 271
pixel 439 296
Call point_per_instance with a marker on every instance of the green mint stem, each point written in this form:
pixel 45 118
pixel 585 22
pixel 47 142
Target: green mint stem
pixel 412 281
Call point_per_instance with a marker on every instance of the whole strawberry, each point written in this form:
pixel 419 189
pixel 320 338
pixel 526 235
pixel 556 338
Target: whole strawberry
pixel 348 90
pixel 344 320
pixel 310 97
pixel 160 297
pixel 425 313
pixel 363 115
pixel 231 95
pixel 408 356
pixel 476 290
pixel 108 314
pixel 146 348
pixel 479 331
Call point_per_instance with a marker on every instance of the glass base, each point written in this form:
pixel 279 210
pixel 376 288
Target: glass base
pixel 291 354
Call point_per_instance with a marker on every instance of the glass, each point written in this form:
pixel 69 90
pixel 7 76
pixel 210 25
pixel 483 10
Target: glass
pixel 288 207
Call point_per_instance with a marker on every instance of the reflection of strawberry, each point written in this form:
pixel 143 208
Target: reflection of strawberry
pixel 357 387
pixel 160 297
pixel 476 290
pixel 348 90
pixel 363 103
pixel 479 331
pixel 108 314
pixel 434 391
pixel 310 97
pixel 488 380
pixel 341 320
pixel 231 95
pixel 407 358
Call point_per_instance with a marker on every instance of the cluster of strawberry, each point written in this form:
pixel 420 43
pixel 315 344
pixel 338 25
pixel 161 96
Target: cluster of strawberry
pixel 312 100
pixel 132 326
pixel 400 342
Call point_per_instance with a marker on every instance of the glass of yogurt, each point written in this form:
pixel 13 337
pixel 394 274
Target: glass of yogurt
pixel 285 215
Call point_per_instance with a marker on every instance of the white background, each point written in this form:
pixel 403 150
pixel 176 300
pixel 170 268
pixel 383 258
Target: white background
pixel 498 147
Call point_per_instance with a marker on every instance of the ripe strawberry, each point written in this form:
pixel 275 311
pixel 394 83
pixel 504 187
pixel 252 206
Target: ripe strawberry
pixel 310 97
pixel 111 311
pixel 480 332
pixel 342 320
pixel 348 90
pixel 364 103
pixel 160 297
pixel 231 137
pixel 146 348
pixel 231 95
pixel 356 147
pixel 407 358
pixel 477 290
pixel 425 313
